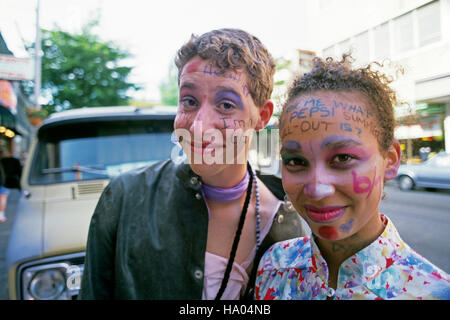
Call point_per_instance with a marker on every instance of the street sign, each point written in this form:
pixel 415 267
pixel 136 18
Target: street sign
pixel 12 68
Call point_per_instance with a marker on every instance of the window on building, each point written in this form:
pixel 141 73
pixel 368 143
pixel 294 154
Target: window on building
pixel 404 37
pixel 382 46
pixel 328 52
pixel 361 48
pixel 326 4
pixel 429 23
pixel 343 47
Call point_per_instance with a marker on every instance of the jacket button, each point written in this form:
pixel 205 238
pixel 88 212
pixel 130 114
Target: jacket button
pixel 198 196
pixel 280 218
pixel 198 274
pixel 194 181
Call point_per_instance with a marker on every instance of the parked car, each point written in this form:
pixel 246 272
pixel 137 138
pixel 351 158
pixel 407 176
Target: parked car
pixel 72 159
pixel 432 173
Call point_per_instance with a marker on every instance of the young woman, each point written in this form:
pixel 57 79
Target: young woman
pixel 338 149
pixel 193 231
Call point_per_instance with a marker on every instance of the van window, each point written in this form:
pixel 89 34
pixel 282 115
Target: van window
pixel 99 150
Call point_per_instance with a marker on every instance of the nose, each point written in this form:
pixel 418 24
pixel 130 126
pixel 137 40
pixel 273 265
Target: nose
pixel 317 191
pixel 203 118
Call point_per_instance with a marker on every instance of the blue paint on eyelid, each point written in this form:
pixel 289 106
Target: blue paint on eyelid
pixel 230 95
pixel 291 144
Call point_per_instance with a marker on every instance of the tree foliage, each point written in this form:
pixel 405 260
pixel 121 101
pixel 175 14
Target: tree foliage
pixel 169 87
pixel 79 70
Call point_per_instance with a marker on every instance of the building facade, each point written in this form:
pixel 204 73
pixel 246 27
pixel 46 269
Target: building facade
pixel 15 130
pixel 409 34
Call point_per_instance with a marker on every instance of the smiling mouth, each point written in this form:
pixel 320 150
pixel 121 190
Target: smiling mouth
pixel 204 146
pixel 325 214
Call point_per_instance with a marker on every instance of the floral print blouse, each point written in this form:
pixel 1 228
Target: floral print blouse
pixel 386 269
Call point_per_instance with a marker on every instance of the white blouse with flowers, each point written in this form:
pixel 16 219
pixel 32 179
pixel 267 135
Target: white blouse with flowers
pixel 386 269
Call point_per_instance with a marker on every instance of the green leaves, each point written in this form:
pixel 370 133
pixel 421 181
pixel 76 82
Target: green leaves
pixel 79 70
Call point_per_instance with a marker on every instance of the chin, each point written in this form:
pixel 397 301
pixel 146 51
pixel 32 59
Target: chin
pixel 206 170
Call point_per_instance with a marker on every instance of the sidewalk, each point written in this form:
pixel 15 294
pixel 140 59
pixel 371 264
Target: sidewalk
pixel 5 230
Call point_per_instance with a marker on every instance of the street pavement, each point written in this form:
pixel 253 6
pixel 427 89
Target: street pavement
pixel 421 217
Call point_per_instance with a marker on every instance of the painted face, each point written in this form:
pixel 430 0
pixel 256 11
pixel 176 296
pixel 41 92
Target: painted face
pixel 216 116
pixel 332 170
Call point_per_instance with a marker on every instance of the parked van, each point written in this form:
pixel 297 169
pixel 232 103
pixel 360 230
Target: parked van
pixel 72 159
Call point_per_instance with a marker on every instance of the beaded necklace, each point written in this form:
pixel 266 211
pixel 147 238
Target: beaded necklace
pixel 231 194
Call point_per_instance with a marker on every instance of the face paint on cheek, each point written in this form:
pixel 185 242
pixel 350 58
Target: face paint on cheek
pixel 328 233
pixel 362 184
pixel 346 227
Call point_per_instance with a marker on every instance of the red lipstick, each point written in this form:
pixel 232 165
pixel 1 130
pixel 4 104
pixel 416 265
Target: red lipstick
pixel 325 214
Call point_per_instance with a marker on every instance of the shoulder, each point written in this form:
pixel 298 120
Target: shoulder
pixel 292 253
pixel 129 186
pixel 411 276
pixel 421 279
pixel 281 268
pixel 142 177
pixel 273 183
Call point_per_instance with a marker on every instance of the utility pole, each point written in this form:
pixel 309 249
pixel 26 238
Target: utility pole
pixel 37 47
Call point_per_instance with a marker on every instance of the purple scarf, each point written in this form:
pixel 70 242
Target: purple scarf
pixel 226 194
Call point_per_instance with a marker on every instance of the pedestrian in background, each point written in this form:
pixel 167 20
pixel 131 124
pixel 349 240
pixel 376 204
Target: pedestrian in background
pixel 338 149
pixel 4 192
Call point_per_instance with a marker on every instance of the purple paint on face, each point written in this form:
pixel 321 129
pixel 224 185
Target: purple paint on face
pixel 360 153
pixel 229 95
pixel 340 140
pixel 347 227
pixel 292 145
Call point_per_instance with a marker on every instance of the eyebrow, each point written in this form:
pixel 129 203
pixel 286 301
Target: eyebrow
pixel 291 146
pixel 339 141
pixel 188 85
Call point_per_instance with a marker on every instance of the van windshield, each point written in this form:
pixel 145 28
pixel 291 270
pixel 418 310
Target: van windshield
pixel 99 150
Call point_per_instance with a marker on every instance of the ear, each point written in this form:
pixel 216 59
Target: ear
pixel 265 113
pixel 393 156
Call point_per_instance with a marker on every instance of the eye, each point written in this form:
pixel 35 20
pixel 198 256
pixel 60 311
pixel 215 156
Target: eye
pixel 188 102
pixel 227 106
pixel 343 159
pixel 294 162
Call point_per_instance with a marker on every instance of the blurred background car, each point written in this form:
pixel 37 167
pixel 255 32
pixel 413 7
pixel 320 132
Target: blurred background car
pixel 72 159
pixel 432 173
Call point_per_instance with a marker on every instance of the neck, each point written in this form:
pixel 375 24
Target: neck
pixel 229 177
pixel 336 252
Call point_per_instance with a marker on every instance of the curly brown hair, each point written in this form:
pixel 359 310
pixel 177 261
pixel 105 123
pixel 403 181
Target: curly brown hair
pixel 233 49
pixel 335 75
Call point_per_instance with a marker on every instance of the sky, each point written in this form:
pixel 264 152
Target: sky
pixel 152 31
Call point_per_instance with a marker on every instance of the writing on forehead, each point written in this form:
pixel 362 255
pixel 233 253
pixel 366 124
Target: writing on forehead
pixel 357 117
pixel 211 70
pixel 316 107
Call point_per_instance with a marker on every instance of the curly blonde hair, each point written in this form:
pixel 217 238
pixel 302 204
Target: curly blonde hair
pixel 233 49
pixel 335 75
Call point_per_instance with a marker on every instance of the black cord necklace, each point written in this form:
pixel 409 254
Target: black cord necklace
pixel 237 236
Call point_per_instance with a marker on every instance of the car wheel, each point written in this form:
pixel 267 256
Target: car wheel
pixel 406 183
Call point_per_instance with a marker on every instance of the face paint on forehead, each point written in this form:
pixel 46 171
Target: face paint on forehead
pixel 340 140
pixel 192 67
pixel 291 144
